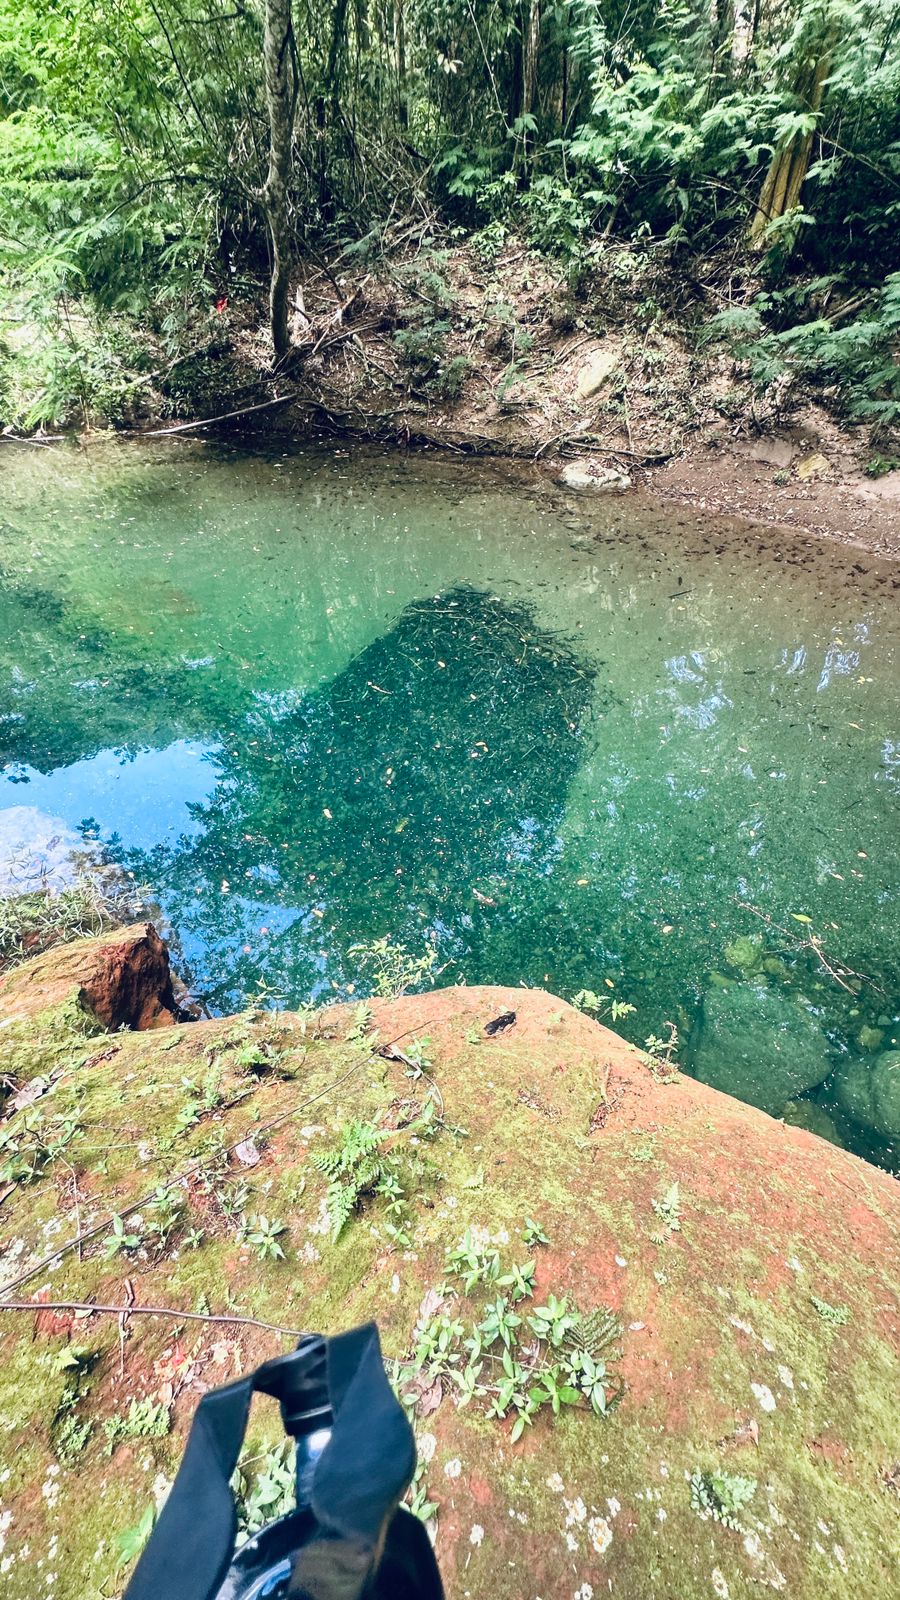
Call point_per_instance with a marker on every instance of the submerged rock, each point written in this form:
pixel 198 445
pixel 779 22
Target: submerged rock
pixel 759 1045
pixel 745 953
pixel 814 1118
pixel 38 851
pixel 869 1092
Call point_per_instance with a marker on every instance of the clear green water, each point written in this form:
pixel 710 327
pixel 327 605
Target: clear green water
pixel 321 698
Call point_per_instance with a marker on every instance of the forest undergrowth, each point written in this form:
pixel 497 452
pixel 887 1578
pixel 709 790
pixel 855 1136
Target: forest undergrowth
pixel 206 204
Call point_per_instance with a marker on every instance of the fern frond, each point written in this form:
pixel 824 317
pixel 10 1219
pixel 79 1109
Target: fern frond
pixel 594 1332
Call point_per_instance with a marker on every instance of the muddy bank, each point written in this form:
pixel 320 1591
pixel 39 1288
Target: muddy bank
pixel 506 357
pixel 506 354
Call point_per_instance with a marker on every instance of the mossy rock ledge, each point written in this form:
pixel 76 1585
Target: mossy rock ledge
pixel 757 1302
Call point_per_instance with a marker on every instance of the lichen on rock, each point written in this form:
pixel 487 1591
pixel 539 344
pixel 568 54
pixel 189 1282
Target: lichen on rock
pixel 729 1372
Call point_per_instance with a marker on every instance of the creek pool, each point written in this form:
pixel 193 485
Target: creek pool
pixel 318 699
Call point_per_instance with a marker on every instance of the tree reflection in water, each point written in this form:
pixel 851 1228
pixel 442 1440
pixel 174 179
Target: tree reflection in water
pixel 417 795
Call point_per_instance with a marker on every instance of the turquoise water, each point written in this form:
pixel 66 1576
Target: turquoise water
pixel 318 699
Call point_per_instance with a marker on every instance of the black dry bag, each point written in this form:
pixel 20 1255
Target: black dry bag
pixel 347 1539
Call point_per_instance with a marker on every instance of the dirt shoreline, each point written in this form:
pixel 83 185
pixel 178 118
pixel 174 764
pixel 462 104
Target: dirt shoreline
pixel 841 508
pixel 507 362
pixel 733 480
pixel 504 362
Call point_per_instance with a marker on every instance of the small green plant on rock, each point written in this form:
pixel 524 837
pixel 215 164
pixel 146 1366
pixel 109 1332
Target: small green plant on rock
pixel 362 1023
pixel 264 1486
pixel 354 1167
pixel 251 1051
pixel 165 1211
pixel 533 1234
pixel 668 1208
pixel 838 1316
pixel 661 1054
pixel 131 1541
pixel 70 1432
pixel 555 1321
pixel 358 1166
pixel 644 1152
pixel 721 1496
pixel 516 1363
pixel 417 1497
pixel 143 1420
pixel 417 1057
pixel 394 968
pixel 32 1142
pixel 263 1235
pixel 70 1438
pixel 120 1240
pixel 596 1004
pixel 473 1261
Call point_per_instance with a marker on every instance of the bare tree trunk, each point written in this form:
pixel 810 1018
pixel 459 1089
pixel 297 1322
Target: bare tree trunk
pixel 529 51
pixel 783 182
pixel 280 72
pixel 530 54
pixel 400 49
pixel 327 114
pixel 722 43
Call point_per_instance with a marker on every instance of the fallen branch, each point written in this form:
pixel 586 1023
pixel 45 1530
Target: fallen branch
pixel 21 438
pixel 813 943
pixel 589 446
pixel 36 1306
pixel 207 422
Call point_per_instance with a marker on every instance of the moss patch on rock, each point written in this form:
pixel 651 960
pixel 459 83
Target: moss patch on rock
pixel 193 1134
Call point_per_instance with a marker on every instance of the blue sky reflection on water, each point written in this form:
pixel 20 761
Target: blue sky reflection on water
pixel 144 797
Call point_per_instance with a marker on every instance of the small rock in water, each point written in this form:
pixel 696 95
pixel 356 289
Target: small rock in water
pixel 869 1092
pixel 814 1118
pixel 589 477
pixel 759 1046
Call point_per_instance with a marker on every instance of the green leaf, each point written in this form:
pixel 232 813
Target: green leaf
pixel 130 1543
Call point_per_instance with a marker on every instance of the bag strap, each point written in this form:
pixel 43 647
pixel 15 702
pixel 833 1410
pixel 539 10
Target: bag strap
pixel 190 1548
pixel 359 1479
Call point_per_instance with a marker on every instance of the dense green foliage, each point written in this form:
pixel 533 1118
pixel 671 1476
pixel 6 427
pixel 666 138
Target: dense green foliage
pixel 134 142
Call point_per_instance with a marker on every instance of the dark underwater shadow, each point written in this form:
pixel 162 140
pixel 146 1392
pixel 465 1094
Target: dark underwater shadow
pixel 418 795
